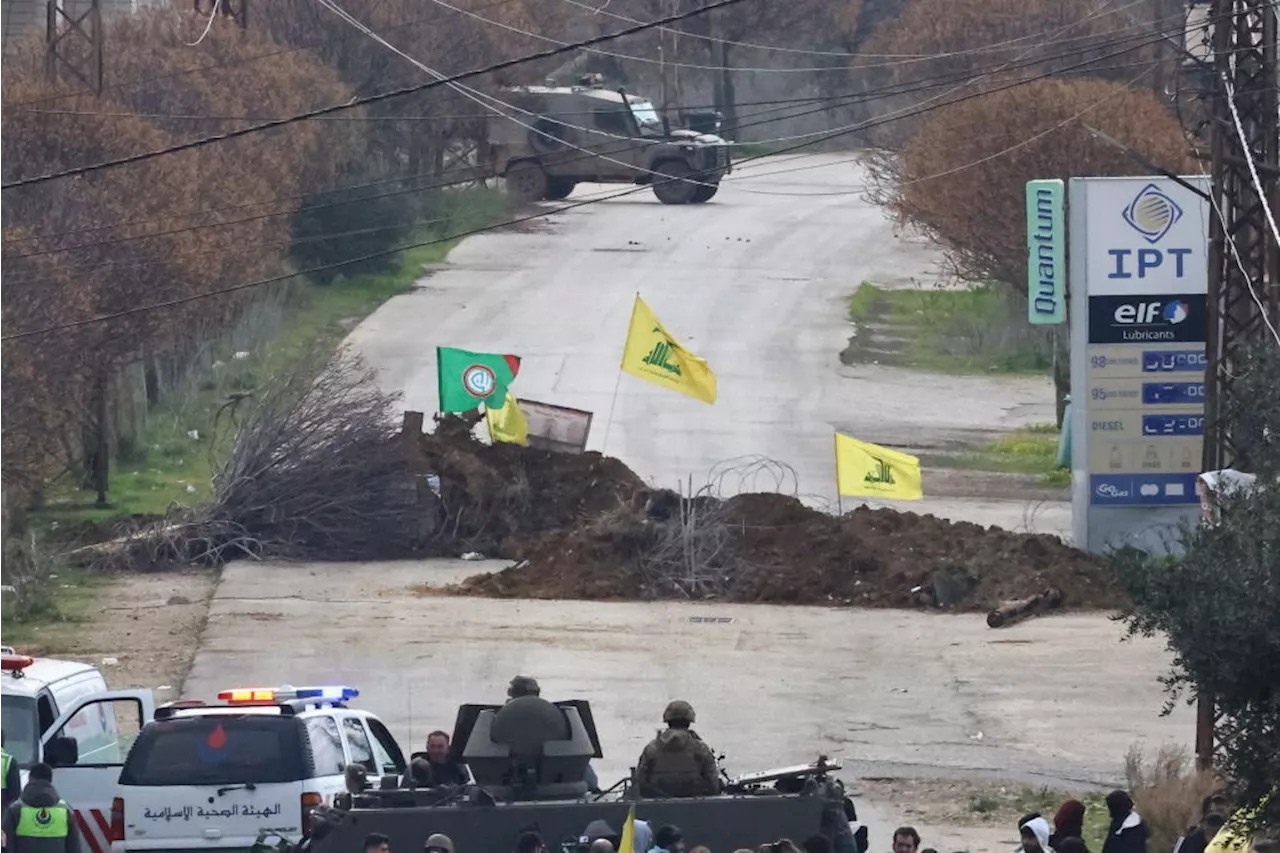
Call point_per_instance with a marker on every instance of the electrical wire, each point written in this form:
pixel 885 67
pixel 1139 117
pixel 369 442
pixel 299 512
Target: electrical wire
pixel 207 27
pixel 470 232
pixel 141 81
pixel 697 67
pixel 829 102
pixel 1226 227
pixel 370 99
pixel 908 57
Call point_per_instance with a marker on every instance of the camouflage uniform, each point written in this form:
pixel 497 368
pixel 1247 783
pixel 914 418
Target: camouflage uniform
pixel 677 763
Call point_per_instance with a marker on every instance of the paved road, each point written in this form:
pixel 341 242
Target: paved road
pixel 756 282
pixel 1052 701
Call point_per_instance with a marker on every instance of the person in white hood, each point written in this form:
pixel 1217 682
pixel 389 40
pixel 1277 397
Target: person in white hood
pixel 1035 836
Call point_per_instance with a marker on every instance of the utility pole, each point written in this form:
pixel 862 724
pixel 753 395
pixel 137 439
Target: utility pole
pixel 73 42
pixel 1244 252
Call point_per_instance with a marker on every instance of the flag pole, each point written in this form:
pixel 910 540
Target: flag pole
pixel 617 384
pixel 835 449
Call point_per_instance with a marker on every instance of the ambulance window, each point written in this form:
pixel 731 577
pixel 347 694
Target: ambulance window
pixel 103 731
pixel 361 753
pixel 388 751
pixel 326 746
pixel 44 704
pixel 21 732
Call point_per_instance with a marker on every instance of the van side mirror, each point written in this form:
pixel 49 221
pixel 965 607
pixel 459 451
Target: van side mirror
pixel 62 752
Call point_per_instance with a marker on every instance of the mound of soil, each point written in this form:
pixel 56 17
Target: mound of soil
pixel 587 527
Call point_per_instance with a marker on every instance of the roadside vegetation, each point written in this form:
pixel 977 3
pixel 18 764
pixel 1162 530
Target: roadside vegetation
pixel 974 329
pixel 1026 450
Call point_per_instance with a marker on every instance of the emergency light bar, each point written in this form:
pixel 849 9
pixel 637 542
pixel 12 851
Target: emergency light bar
pixel 11 662
pixel 285 693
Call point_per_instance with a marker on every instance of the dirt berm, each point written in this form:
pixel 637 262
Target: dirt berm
pixel 588 527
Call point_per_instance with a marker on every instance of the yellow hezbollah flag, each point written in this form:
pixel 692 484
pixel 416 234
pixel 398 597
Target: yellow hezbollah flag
pixel 652 354
pixel 869 470
pixel 507 423
pixel 627 842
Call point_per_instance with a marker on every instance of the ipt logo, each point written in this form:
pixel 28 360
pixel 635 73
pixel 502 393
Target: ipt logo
pixel 1152 213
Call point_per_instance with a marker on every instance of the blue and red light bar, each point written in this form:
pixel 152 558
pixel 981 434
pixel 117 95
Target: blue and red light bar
pixel 286 693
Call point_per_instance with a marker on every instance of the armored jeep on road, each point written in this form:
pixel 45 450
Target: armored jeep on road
pixel 563 136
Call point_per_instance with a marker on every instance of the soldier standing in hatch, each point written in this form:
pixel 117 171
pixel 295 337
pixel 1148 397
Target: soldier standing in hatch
pixel 525 685
pixel 677 763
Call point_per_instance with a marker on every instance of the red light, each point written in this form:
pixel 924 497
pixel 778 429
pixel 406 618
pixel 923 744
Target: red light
pixel 310 801
pixel 117 820
pixel 11 663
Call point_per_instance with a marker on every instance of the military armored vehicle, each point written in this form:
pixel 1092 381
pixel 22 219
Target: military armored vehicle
pixel 528 759
pixel 571 134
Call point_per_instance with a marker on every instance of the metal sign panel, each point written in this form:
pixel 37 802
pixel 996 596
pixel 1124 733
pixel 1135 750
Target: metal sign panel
pixel 1046 253
pixel 557 428
pixel 1138 250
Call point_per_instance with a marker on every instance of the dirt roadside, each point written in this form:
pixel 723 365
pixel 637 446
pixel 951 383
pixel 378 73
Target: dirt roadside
pixel 141 630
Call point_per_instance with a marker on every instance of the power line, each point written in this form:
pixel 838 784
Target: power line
pixel 506 223
pixel 130 84
pixel 828 102
pixel 371 99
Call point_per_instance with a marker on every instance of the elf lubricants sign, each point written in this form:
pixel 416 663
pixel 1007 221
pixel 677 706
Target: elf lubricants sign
pixel 1138 256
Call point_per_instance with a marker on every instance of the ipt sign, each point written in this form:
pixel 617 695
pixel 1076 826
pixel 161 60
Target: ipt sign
pixel 1159 244
pixel 1138 264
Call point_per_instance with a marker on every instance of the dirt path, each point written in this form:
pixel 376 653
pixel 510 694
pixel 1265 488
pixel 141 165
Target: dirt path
pixel 142 630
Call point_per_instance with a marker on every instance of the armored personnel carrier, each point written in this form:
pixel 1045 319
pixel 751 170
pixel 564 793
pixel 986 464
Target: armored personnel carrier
pixel 529 761
pixel 567 135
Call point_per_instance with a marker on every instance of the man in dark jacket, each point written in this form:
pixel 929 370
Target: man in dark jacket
pixel 40 821
pixel 1127 833
pixel 438 769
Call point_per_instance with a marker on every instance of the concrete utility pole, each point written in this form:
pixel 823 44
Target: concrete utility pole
pixel 1244 248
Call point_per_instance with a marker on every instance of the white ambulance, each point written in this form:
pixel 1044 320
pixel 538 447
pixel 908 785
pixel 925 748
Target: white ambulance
pixel 212 777
pixel 61 712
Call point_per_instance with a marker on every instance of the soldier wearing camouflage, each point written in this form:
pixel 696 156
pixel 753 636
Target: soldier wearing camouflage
pixel 677 763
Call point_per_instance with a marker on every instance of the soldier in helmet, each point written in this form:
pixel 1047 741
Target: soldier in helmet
pixel 677 763
pixel 525 685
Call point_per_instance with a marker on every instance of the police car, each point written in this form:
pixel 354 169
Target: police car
pixel 211 777
pixel 61 712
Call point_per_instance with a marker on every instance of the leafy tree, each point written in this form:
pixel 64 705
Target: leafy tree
pixel 1218 606
pixel 961 180
pixel 351 223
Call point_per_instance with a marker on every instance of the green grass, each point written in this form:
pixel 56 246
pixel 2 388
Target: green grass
pixel 66 597
pixel 1027 450
pixel 957 331
pixel 168 467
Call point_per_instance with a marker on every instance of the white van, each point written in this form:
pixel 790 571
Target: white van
pixel 61 712
pixel 213 777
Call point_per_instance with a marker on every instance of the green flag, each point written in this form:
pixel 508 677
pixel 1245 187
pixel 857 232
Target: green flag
pixel 467 379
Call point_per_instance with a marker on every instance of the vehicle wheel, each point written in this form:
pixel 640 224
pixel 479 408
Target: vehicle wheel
pixel 704 192
pixel 558 188
pixel 527 181
pixel 671 184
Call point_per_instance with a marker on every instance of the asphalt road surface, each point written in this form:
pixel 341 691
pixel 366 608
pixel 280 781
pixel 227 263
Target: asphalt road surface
pixel 756 282
pixel 1054 701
